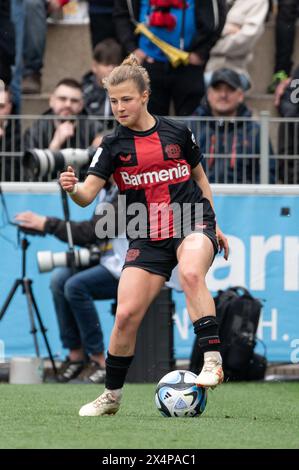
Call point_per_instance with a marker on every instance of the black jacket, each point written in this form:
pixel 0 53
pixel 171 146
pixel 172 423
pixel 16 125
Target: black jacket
pixel 7 42
pixel 234 140
pixel 10 145
pixel 84 233
pixel 40 134
pixel 210 19
pixel 288 134
pixel 11 140
pixel 100 6
pixel 289 103
pixel 95 96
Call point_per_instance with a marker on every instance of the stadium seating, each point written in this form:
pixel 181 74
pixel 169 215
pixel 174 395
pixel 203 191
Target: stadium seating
pixel 74 58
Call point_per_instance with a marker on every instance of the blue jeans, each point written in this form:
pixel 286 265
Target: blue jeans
pixel 17 16
pixel 35 31
pixel 74 296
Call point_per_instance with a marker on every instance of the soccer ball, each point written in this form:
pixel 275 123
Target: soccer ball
pixel 177 395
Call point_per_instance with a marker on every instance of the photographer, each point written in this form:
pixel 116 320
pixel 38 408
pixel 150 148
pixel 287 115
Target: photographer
pixel 57 131
pixel 74 293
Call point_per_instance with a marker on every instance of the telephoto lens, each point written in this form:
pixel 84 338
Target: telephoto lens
pixel 83 258
pixel 41 163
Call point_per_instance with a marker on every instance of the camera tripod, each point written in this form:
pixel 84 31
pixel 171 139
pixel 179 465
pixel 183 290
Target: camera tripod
pixel 26 284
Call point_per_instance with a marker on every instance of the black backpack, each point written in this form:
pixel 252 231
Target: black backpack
pixel 238 314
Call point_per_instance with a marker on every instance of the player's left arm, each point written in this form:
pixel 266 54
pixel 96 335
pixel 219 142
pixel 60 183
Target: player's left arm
pixel 201 179
pixel 199 176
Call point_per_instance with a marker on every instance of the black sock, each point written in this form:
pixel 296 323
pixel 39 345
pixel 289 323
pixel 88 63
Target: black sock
pixel 206 330
pixel 116 370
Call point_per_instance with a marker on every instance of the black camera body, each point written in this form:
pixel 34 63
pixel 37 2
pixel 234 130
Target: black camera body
pixel 82 258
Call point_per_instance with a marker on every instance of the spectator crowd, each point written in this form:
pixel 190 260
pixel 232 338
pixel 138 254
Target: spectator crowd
pixel 211 40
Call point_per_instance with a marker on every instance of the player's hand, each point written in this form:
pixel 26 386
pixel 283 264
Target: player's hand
pixel 68 179
pixel 222 242
pixel 31 220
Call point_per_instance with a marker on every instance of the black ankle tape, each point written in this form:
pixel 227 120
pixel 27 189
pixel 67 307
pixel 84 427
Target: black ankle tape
pixel 116 370
pixel 205 322
pixel 206 330
pixel 209 343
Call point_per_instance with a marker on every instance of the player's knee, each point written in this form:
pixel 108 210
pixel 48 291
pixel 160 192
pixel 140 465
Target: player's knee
pixel 190 279
pixel 125 317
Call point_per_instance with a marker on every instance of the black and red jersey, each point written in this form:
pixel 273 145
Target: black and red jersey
pixel 152 167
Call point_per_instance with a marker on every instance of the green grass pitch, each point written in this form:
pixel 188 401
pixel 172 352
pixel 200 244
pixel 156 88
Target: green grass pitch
pixel 238 415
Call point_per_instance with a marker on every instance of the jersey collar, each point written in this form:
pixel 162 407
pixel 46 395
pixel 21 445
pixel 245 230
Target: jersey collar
pixel 144 133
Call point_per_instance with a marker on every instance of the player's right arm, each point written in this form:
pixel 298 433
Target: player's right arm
pixel 100 170
pixel 84 193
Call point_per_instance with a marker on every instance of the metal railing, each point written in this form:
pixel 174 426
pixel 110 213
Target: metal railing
pixel 24 132
pixel 242 150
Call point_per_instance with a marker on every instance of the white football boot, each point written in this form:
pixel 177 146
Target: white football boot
pixel 211 374
pixel 106 404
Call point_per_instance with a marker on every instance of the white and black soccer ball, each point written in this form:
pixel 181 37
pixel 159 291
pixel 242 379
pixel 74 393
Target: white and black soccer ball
pixel 177 395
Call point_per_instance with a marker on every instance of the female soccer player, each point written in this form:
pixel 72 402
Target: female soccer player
pixel 155 161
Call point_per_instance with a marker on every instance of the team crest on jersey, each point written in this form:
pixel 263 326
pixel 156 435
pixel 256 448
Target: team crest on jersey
pixel 173 150
pixel 132 254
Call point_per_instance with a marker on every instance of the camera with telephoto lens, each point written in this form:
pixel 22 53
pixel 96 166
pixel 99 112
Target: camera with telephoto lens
pixel 39 163
pixel 82 258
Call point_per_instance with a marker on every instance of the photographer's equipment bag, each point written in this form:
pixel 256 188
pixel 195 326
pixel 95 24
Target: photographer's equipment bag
pixel 154 353
pixel 238 314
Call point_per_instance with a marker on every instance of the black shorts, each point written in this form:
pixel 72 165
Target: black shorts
pixel 159 257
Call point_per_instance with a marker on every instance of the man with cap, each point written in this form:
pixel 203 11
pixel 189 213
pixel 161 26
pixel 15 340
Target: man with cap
pixel 232 147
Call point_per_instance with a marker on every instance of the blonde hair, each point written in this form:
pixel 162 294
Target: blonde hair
pixel 129 69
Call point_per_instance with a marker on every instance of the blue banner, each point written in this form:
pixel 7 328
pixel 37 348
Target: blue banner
pixel 264 244
pixel 264 257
